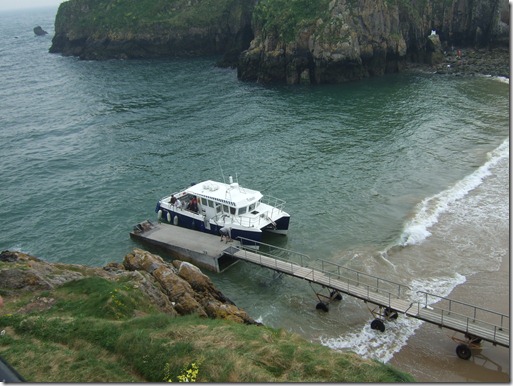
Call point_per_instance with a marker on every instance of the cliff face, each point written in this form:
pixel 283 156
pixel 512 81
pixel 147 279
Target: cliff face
pixel 125 29
pixel 354 39
pixel 346 40
pixel 292 41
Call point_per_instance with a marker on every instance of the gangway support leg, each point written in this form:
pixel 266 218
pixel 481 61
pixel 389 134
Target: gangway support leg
pixel 384 314
pixel 465 346
pixel 324 301
pixel 377 323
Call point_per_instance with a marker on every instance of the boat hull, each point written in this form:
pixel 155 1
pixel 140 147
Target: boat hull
pixel 181 218
pixel 281 226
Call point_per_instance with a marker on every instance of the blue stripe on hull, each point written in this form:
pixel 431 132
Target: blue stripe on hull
pixel 199 225
pixel 283 223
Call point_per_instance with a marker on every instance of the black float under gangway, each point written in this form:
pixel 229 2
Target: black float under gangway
pixel 475 323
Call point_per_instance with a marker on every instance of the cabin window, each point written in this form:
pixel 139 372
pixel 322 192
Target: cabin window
pixel 211 203
pixel 243 210
pixel 232 210
pixel 226 209
pixel 203 201
pixel 219 209
pixel 251 207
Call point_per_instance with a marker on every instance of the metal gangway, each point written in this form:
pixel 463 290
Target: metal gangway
pixel 389 297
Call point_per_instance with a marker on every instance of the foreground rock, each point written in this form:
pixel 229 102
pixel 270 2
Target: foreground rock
pixel 177 288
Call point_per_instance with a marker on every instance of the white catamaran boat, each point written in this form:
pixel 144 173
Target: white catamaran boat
pixel 210 206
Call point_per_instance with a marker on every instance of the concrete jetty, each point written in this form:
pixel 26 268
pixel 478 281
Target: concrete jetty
pixel 202 249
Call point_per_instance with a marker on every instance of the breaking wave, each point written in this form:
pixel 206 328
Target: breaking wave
pixel 429 210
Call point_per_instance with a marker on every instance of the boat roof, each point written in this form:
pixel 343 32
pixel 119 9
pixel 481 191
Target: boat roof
pixel 229 194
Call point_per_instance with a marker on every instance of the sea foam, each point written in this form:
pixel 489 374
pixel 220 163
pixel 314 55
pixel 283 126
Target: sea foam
pixel 372 344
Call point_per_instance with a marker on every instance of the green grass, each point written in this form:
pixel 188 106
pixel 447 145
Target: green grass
pixel 285 18
pixel 86 337
pixel 143 17
pixel 98 297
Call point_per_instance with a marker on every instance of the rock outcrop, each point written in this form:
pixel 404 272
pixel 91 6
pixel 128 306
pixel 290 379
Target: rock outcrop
pixel 40 31
pixel 125 29
pixel 494 62
pixel 177 288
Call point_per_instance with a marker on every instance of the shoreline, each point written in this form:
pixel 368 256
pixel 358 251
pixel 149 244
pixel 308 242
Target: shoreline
pixel 493 62
pixel 430 354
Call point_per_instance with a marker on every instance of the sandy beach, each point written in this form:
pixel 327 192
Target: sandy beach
pixel 430 355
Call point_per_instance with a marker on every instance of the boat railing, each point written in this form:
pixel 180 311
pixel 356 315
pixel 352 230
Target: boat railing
pixel 246 222
pixel 263 218
pixel 277 203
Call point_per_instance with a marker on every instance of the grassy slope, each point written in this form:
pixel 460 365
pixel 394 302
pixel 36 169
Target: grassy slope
pixel 103 331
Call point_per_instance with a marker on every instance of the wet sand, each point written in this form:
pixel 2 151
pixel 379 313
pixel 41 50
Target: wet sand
pixel 430 354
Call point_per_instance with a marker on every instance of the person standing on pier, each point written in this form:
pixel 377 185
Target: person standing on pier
pixel 226 233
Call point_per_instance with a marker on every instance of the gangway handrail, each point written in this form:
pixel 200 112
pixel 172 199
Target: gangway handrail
pixel 325 278
pixel 244 247
pixel 335 284
pixel 469 321
pixel 475 308
pixel 359 273
pixel 275 260
pixel 333 280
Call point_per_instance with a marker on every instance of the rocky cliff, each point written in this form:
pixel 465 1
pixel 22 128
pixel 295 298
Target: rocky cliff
pixel 124 29
pixel 292 41
pixel 343 40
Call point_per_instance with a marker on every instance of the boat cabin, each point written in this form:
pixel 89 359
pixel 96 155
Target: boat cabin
pixel 218 199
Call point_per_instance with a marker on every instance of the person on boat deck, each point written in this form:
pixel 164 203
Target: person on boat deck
pixel 175 201
pixel 225 232
pixel 193 205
